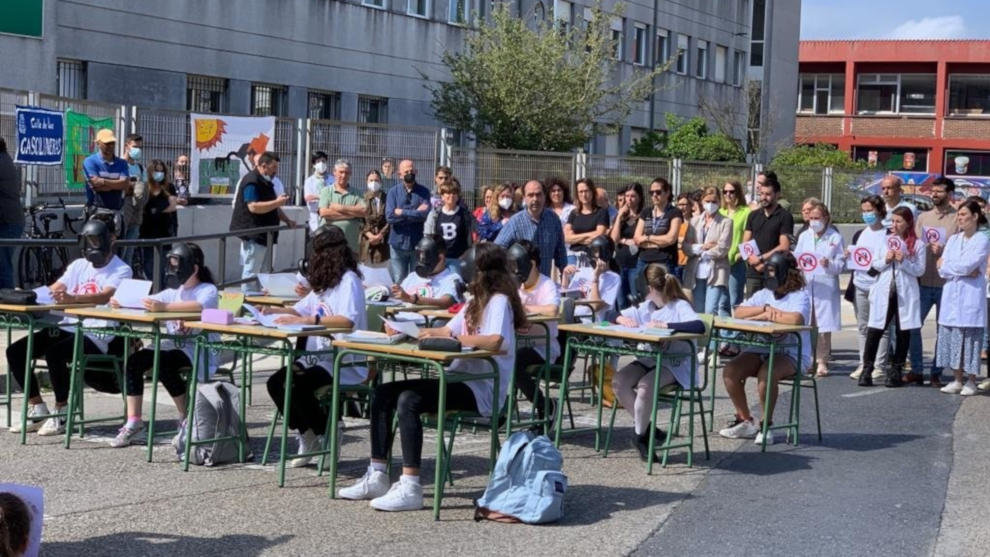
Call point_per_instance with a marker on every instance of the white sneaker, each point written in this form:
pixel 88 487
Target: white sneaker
pixel 125 434
pixel 744 429
pixel 878 373
pixel 52 426
pixel 953 388
pixel 855 375
pixel 404 495
pixel 984 385
pixel 309 442
pixel 373 484
pixel 969 389
pixel 759 438
pixel 32 424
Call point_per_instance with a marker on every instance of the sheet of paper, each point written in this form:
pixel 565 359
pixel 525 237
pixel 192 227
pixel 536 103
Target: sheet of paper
pixel 404 327
pixel 749 249
pixel 44 296
pixel 266 320
pixel 630 312
pixel 280 285
pixel 810 263
pixel 934 235
pixel 895 243
pixel 131 292
pixel 860 258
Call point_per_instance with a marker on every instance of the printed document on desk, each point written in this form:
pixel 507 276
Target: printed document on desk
pixel 279 285
pixel 265 320
pixel 132 292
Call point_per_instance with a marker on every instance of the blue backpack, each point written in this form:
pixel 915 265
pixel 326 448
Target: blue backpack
pixel 527 485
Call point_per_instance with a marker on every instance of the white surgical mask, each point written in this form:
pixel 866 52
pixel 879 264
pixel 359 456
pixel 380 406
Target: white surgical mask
pixel 816 225
pixel 158 176
pixel 374 186
pixel 711 207
pixel 320 167
pixel 505 203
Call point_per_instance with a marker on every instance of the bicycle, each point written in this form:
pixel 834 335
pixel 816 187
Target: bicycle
pixel 43 265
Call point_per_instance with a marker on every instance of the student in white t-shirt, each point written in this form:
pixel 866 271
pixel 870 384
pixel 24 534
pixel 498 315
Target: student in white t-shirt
pixel 337 300
pixel 666 307
pixel 91 279
pixel 189 287
pixel 783 300
pixel 488 321
pixel 539 295
pixel 597 283
pixel 431 283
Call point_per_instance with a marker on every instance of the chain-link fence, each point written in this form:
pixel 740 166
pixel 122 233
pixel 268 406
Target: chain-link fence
pixel 798 184
pixel 166 133
pixel 365 145
pixel 476 168
pixel 697 175
pixel 612 173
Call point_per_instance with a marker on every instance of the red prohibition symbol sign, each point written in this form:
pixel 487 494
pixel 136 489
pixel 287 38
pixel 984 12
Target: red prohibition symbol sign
pixel 807 262
pixel 895 243
pixel 931 235
pixel 862 257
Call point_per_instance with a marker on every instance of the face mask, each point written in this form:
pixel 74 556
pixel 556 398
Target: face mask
pixel 869 218
pixel 505 203
pixel 816 225
pixel 409 178
pixel 158 176
pixel 320 167
pixel 374 186
pixel 711 207
pixel 135 153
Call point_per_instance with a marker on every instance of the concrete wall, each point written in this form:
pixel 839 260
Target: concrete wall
pixel 29 63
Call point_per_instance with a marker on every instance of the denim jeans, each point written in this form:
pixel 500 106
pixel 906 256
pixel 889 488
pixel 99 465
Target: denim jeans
pixel 7 254
pixel 400 263
pixel 627 286
pixel 710 299
pixel 131 233
pixel 252 256
pixel 930 296
pixel 737 282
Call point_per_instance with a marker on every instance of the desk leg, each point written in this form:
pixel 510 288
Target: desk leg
pixel 191 404
pixel 245 393
pixel 601 399
pixel 74 378
pixel 511 406
pixel 28 372
pixel 154 388
pixel 562 396
pixel 439 477
pixel 651 444
pixel 493 431
pixel 286 408
pixel 7 392
pixel 334 420
pixel 765 426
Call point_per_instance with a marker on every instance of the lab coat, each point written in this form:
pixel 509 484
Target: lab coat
pixel 823 288
pixel 906 274
pixel 963 296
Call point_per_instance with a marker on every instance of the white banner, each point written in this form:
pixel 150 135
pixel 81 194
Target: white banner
pixel 223 150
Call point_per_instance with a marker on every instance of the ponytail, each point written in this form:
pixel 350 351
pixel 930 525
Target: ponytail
pixel 203 274
pixel 15 525
pixel 662 281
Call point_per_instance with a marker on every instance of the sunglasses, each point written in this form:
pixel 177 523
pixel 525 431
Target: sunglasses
pixel 728 192
pixel 656 192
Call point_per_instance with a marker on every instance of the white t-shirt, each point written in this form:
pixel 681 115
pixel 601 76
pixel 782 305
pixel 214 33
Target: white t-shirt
pixel 205 294
pixel 313 186
pixel 608 288
pixel 543 293
pixel 496 319
pixel 444 283
pixel 871 240
pixel 794 302
pixel 81 278
pixel 678 311
pixel 344 300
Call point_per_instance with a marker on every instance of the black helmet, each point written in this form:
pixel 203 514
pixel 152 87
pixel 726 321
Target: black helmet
pixel 95 242
pixel 520 262
pixel 467 265
pixel 427 256
pixel 601 248
pixel 179 265
pixel 780 263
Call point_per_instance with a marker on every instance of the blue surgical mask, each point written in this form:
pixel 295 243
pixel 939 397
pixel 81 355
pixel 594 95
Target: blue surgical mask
pixel 869 218
pixel 135 153
pixel 158 176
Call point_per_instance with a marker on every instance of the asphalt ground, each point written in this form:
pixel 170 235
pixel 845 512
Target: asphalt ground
pixel 897 473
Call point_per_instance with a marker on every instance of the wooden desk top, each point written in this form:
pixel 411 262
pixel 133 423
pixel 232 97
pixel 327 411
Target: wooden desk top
pixel 409 349
pixel 132 315
pixel 18 308
pixel 444 314
pixel 270 300
pixel 614 332
pixel 747 326
pixel 259 331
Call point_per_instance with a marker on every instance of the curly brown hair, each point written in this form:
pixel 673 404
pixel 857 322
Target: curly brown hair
pixel 331 259
pixel 491 277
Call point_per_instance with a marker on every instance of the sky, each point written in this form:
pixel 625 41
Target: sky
pixel 895 19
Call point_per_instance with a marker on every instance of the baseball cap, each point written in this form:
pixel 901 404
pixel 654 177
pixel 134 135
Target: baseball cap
pixel 105 136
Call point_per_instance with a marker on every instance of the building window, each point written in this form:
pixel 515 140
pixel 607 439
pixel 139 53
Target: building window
pixel 372 110
pixel 721 63
pixel 759 21
pixel 617 37
pixel 269 100
pixel 562 13
pixel 822 93
pixel 323 105
pixel 459 12
pixel 701 71
pixel 71 79
pixel 896 93
pixel 206 94
pixel 962 163
pixel 663 47
pixel 374 3
pixel 740 68
pixel 418 8
pixel 639 44
pixel 969 94
pixel 885 158
pixel 682 54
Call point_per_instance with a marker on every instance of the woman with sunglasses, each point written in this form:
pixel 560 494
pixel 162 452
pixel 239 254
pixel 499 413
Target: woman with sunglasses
pixel 659 224
pixel 734 207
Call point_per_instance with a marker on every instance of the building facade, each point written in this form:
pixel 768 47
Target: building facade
pixel 913 105
pixel 365 60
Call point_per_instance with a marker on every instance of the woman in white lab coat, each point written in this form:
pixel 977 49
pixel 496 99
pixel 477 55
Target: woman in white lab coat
pixel 895 294
pixel 963 265
pixel 822 242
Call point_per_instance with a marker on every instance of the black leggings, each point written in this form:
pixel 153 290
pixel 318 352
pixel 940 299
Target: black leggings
pixel 169 364
pixel 56 346
pixel 902 338
pixel 525 382
pixel 306 412
pixel 409 399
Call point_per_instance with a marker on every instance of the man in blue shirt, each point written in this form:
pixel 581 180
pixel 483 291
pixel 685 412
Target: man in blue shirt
pixel 406 206
pixel 106 174
pixel 539 225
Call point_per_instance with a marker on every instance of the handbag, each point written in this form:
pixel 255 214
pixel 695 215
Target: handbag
pixel 439 344
pixel 18 297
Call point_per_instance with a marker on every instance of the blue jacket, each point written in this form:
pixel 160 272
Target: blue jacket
pixel 407 228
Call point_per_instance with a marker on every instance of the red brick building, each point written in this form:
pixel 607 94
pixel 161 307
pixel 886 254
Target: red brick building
pixel 911 105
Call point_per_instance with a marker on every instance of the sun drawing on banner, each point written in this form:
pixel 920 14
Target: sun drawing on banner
pixel 209 132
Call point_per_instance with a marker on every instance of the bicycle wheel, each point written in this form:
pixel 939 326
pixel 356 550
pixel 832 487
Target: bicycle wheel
pixel 30 270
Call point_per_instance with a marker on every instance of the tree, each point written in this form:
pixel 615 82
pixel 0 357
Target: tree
pixel 652 144
pixel 691 140
pixel 818 155
pixel 545 88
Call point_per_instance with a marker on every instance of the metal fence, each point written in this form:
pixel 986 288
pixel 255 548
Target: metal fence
pixel 611 172
pixel 476 168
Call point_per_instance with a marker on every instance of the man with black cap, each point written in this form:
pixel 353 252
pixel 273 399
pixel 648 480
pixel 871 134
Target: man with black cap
pixel 91 279
pixel 431 282
pixel 597 283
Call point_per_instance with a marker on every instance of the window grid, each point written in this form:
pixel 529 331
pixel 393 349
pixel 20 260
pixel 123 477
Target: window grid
pixel 71 79
pixel 206 93
pixel 269 100
pixel 324 105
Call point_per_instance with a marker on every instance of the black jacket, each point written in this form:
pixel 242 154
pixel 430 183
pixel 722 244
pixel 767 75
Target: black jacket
pixel 243 219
